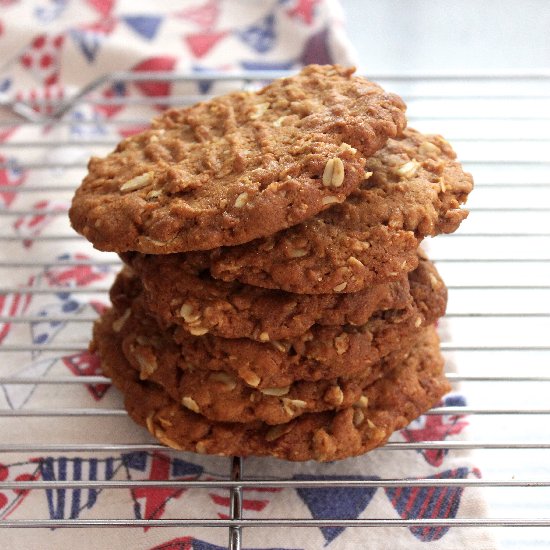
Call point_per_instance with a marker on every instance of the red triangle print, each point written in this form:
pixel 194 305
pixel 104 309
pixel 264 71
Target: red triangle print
pixel 205 16
pixel 110 110
pixel 254 500
pixel 304 10
pixel 5 133
pixel 200 44
pixel 10 306
pixel 102 26
pixel 10 499
pixel 150 502
pixel 437 428
pixel 86 364
pixel 99 307
pixel 162 63
pixel 104 7
pixel 128 131
pixel 42 58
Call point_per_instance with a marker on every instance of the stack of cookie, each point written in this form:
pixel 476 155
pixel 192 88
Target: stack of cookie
pixel 274 299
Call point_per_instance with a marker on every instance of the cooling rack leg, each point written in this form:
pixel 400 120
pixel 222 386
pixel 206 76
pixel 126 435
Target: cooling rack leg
pixel 235 505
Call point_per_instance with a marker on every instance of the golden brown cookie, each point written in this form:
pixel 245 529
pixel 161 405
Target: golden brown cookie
pixel 186 295
pixel 223 397
pixel 415 190
pixel 237 167
pixel 322 352
pixel 388 404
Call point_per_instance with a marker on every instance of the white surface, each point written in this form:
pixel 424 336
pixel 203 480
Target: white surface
pixel 513 137
pixel 442 35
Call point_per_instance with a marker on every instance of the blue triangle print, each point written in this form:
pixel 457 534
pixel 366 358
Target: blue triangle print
pixel 336 502
pixel 454 401
pixel 181 468
pixel 50 13
pixel 88 42
pixel 5 85
pixel 135 461
pixel 204 85
pixel 145 25
pixel 69 503
pixel 44 331
pixel 260 36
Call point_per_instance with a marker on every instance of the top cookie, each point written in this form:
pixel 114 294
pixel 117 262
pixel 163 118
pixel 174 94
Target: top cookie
pixel 237 167
pixel 415 190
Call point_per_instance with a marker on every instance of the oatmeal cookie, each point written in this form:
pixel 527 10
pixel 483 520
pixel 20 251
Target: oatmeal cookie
pixel 388 404
pixel 237 167
pixel 187 296
pixel 414 189
pixel 322 352
pixel 222 396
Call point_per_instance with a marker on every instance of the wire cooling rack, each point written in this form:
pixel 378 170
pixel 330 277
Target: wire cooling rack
pixel 497 268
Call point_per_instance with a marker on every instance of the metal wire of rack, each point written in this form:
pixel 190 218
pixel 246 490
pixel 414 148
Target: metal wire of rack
pixel 497 267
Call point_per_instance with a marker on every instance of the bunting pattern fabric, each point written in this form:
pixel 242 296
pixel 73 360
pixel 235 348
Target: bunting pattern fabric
pixel 51 49
pixel 69 43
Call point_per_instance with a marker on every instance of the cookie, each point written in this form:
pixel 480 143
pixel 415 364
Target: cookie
pixel 415 190
pixel 237 167
pixel 323 352
pixel 187 296
pixel 387 405
pixel 221 396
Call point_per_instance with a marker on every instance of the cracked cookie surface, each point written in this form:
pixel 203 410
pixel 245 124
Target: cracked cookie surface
pixel 415 189
pixel 237 167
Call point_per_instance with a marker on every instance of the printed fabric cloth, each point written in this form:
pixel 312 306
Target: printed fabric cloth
pixel 50 50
